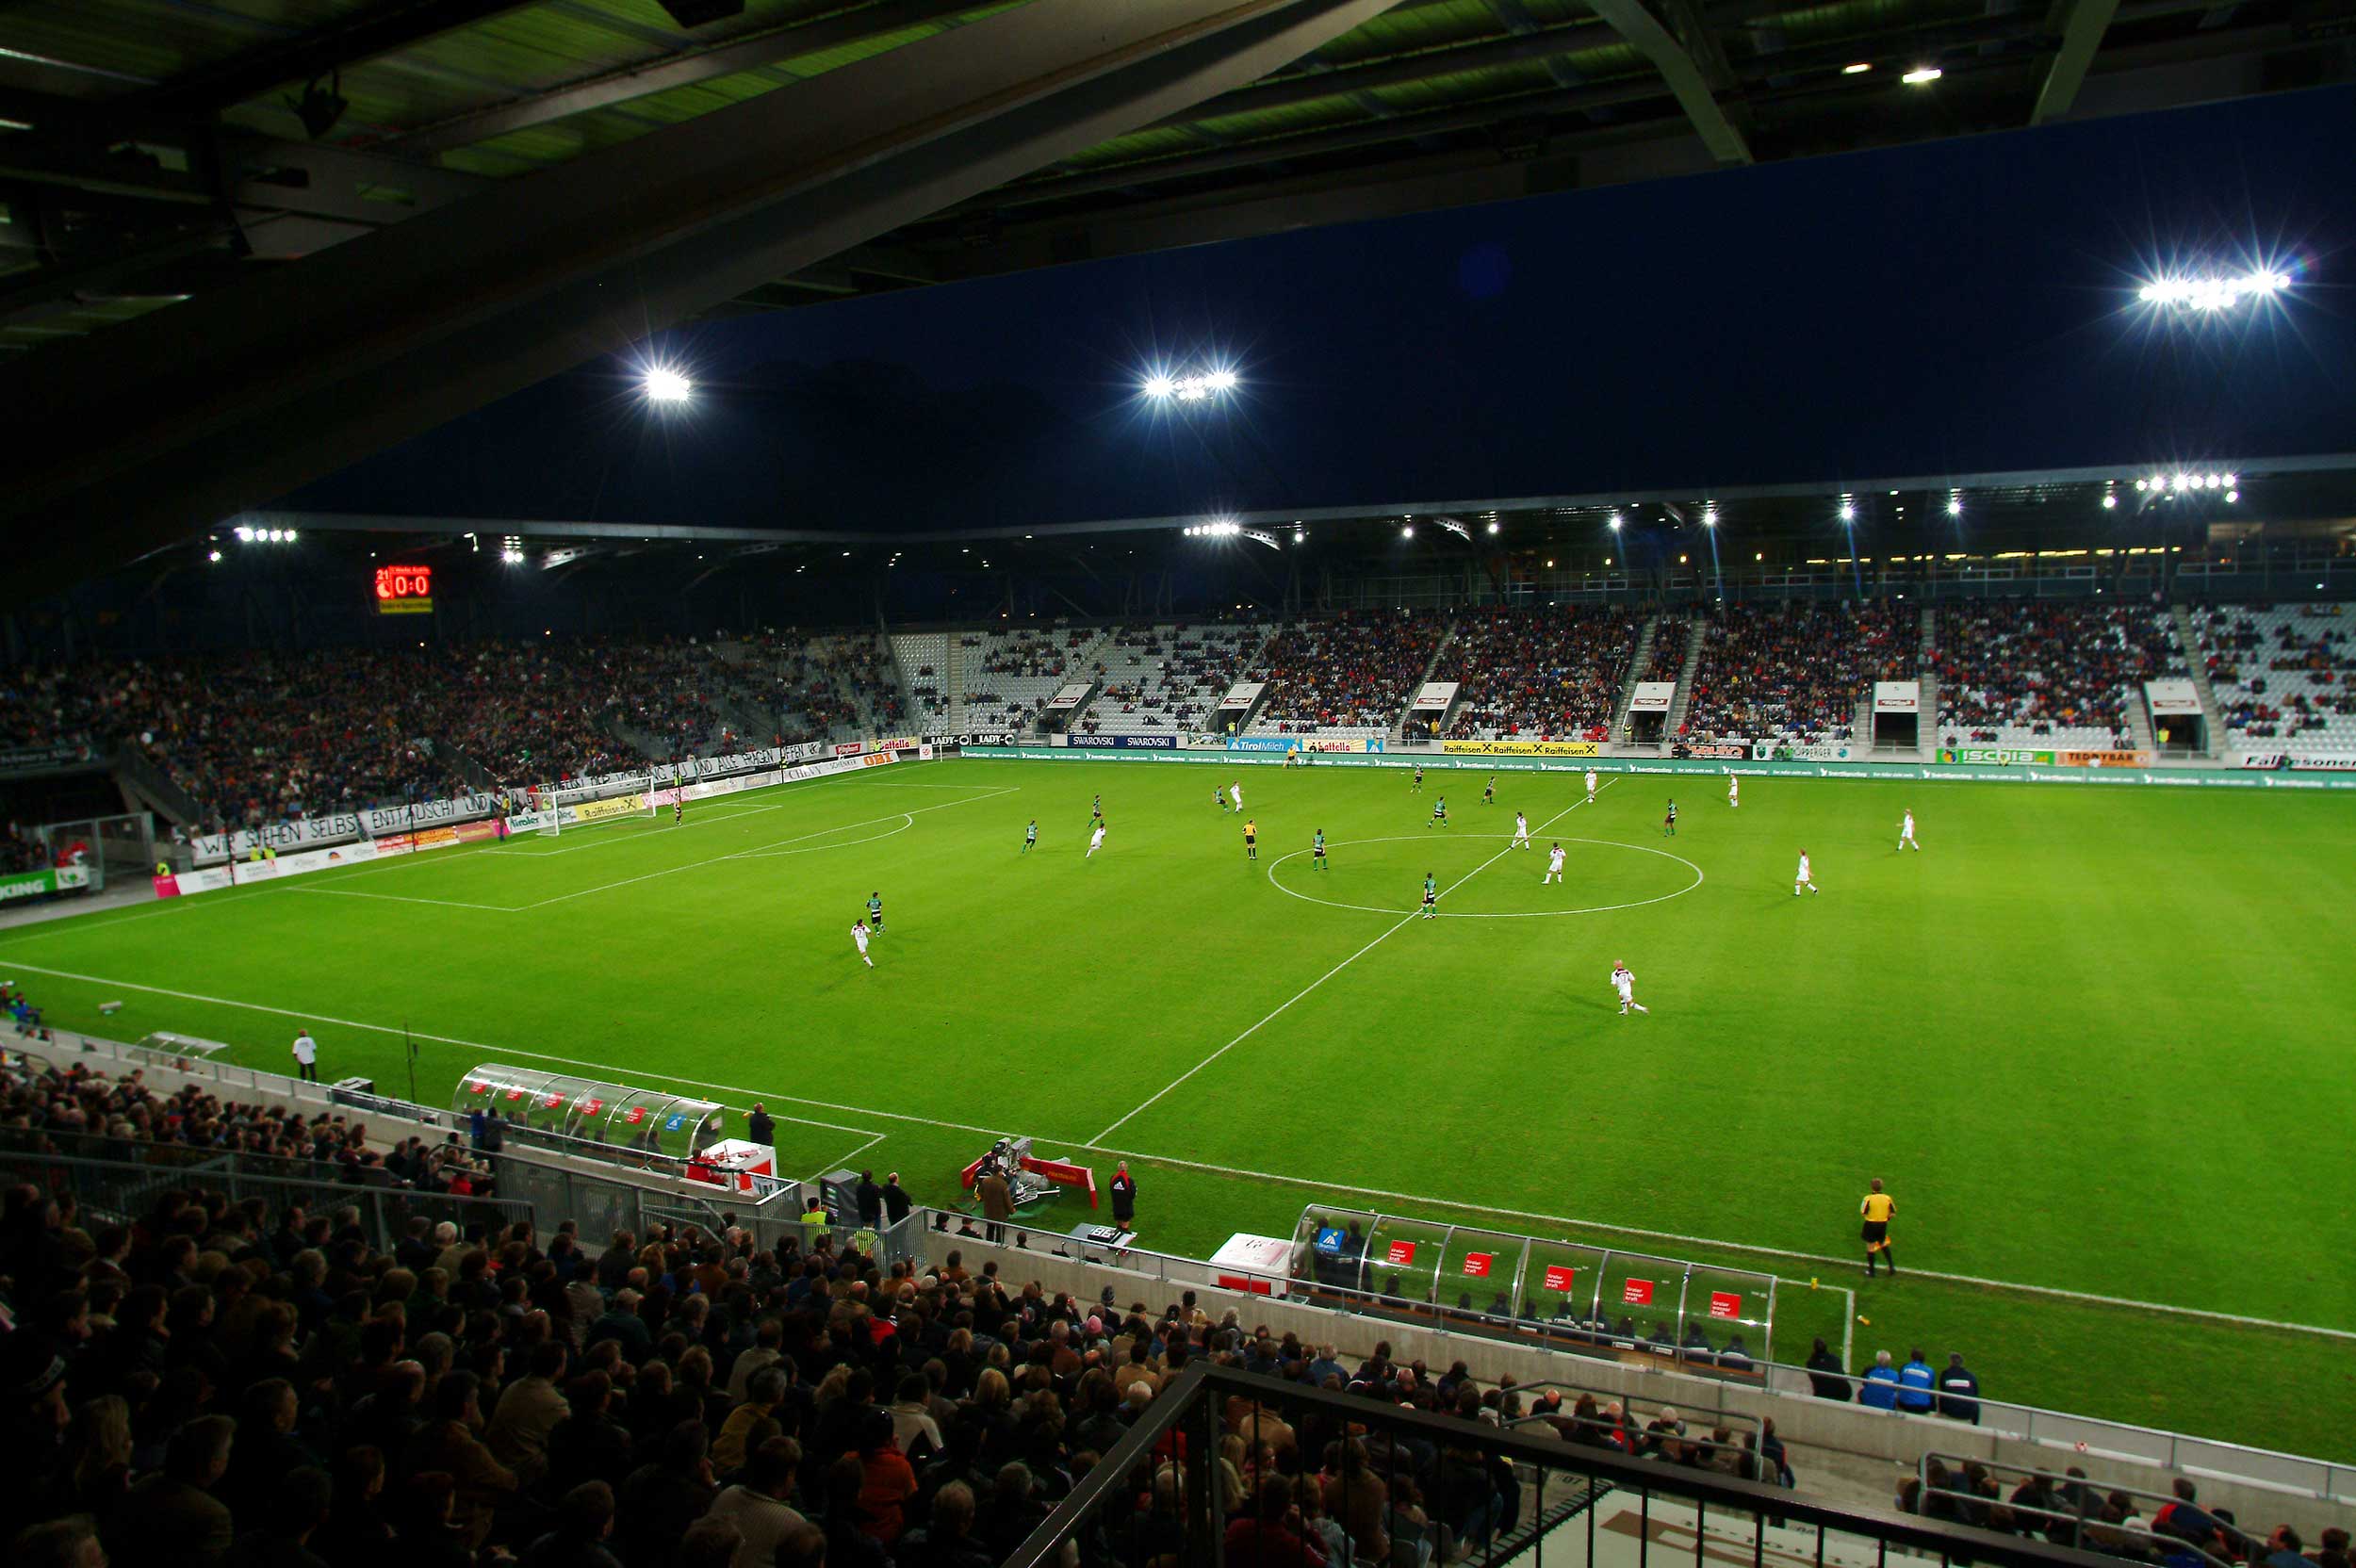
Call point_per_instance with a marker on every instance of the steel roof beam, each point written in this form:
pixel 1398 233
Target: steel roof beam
pixel 841 30
pixel 2084 22
pixel 1633 20
pixel 383 29
pixel 130 438
pixel 1398 71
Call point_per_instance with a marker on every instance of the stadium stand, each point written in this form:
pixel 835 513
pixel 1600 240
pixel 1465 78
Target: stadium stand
pixel 1169 676
pixel 2039 673
pixel 1671 635
pixel 1796 673
pixel 1008 676
pixel 1552 673
pixel 808 688
pixel 924 659
pixel 1347 673
pixel 2281 673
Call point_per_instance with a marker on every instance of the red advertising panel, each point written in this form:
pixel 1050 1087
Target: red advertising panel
pixel 1559 1278
pixel 1637 1293
pixel 1477 1264
pixel 1725 1304
pixel 1403 1253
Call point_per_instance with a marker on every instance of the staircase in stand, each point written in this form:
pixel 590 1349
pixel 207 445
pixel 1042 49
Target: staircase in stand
pixel 1398 724
pixel 2195 667
pixel 1684 698
pixel 1635 672
pixel 1926 720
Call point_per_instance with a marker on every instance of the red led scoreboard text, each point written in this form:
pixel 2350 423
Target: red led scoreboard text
pixel 405 590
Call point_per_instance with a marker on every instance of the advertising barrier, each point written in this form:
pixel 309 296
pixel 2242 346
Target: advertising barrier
pixel 14 760
pixel 1808 751
pixel 1357 745
pixel 1520 748
pixel 1262 743
pixel 213 880
pixel 1121 742
pixel 850 748
pixel 37 884
pixel 2341 777
pixel 2104 758
pixel 613 806
pixel 1995 756
pixel 899 743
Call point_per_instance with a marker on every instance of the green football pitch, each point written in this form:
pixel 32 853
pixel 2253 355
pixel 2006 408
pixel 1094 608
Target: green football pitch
pixel 2096 1040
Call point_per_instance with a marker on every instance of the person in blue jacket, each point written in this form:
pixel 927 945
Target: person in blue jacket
pixel 1959 1392
pixel 1915 1382
pixel 1880 1388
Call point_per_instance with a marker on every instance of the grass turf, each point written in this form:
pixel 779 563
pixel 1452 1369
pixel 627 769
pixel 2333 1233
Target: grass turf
pixel 2092 1038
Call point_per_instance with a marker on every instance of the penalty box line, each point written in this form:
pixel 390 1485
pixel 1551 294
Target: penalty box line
pixel 1098 1141
pixel 1754 1248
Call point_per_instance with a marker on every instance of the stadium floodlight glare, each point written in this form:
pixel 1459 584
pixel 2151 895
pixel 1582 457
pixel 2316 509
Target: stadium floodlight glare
pixel 1195 386
pixel 2110 500
pixel 1921 75
pixel 2232 496
pixel 1857 67
pixel 1954 506
pixel 1710 517
pixel 1493 525
pixel 245 534
pixel 1616 522
pixel 1406 531
pixel 2209 294
pixel 1848 510
pixel 214 556
pixel 665 384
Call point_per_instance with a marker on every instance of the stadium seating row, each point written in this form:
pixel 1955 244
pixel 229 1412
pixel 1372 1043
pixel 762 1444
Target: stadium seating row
pixel 2281 673
pixel 2042 674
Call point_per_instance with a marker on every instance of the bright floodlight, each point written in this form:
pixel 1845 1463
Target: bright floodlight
pixel 2109 501
pixel 1857 67
pixel 1954 506
pixel 1616 522
pixel 1921 75
pixel 1159 386
pixel 1848 510
pixel 2207 295
pixel 1710 517
pixel 1194 387
pixel 1493 527
pixel 667 385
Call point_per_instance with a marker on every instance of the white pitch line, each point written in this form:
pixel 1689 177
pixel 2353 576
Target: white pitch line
pixel 1413 914
pixel 2055 1292
pixel 817 1175
pixel 402 898
pixel 757 849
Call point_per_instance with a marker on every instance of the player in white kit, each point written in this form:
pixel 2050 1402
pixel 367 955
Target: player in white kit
pixel 1591 786
pixel 1734 791
pixel 1800 879
pixel 1625 983
pixel 1906 835
pixel 1521 831
pixel 1094 840
pixel 859 935
pixel 1235 793
pixel 1554 864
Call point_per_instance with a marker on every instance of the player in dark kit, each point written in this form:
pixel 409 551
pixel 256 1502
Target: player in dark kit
pixel 875 913
pixel 1669 822
pixel 1316 851
pixel 1250 838
pixel 1030 837
pixel 1096 811
pixel 1439 813
pixel 1416 788
pixel 1431 896
pixel 679 808
pixel 1489 792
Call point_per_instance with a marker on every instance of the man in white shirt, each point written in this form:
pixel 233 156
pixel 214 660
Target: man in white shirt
pixel 1801 879
pixel 1734 791
pixel 1235 793
pixel 1625 983
pixel 1521 831
pixel 1554 864
pixel 306 1056
pixel 1095 839
pixel 1591 786
pixel 859 935
pixel 1905 834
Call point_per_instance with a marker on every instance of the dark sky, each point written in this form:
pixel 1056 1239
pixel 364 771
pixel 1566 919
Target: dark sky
pixel 1960 307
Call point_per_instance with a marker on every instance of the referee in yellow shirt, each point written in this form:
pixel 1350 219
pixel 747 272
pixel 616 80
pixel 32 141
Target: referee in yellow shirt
pixel 1877 1208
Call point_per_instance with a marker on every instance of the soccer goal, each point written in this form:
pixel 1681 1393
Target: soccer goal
pixel 613 800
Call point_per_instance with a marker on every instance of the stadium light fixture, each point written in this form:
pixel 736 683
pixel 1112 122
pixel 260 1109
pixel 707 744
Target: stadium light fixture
pixel 2209 294
pixel 1494 526
pixel 1857 67
pixel 1406 531
pixel 664 383
pixel 1848 510
pixel 1710 517
pixel 1616 522
pixel 1195 386
pixel 244 533
pixel 1921 75
pixel 2231 497
pixel 2110 502
pixel 214 556
pixel 1954 506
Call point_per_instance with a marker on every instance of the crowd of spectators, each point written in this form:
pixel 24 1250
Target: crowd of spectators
pixel 822 688
pixel 1356 669
pixel 2069 1509
pixel 1797 672
pixel 1552 673
pixel 2280 673
pixel 2015 670
pixel 1672 637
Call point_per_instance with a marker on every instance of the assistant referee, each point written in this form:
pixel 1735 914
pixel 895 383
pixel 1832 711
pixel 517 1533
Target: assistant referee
pixel 1877 1208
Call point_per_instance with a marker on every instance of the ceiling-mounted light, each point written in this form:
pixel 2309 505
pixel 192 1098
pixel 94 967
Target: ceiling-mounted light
pixel 1857 67
pixel 1921 75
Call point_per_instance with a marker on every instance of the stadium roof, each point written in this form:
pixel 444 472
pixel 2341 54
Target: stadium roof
pixel 162 147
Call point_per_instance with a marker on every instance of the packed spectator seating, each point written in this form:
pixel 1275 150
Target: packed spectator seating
pixel 1353 671
pixel 1797 672
pixel 2041 673
pixel 923 658
pixel 1672 634
pixel 820 688
pixel 1551 674
pixel 1167 677
pixel 2283 674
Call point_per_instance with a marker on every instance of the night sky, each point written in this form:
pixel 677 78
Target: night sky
pixel 1961 307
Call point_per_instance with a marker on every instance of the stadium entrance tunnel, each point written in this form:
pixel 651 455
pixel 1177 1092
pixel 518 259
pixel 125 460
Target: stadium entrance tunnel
pixel 1481 875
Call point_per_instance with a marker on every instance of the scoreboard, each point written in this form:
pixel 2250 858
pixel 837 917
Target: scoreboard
pixel 405 590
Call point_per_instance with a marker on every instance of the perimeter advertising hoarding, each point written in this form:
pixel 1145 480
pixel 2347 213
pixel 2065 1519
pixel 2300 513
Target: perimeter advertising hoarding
pixel 2104 758
pixel 1520 748
pixel 1995 756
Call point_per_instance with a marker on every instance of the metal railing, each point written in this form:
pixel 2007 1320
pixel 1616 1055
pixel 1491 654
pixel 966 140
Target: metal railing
pixel 2079 1523
pixel 1157 1496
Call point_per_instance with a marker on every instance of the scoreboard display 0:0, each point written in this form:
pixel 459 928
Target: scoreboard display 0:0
pixel 405 590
